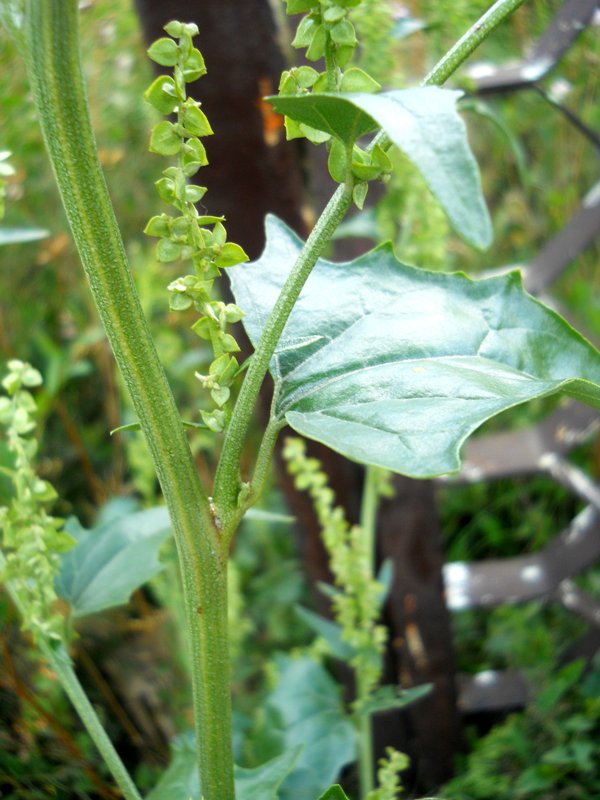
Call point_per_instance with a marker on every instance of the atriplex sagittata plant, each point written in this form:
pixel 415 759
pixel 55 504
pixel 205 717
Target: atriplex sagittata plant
pixel 395 373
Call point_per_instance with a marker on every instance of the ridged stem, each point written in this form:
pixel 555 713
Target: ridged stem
pixel 55 73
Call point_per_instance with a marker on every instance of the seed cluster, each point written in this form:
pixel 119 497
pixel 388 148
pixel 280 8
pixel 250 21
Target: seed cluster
pixel 31 538
pixel 191 236
pixel 327 32
pixel 357 599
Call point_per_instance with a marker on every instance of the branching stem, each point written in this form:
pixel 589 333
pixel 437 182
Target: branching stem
pixel 227 482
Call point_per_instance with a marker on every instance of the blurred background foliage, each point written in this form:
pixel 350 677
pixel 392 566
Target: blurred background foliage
pixel 536 168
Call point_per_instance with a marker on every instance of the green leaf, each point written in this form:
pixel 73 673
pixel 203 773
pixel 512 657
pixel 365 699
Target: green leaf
pixel 305 32
pixel 337 161
pixel 269 517
pixel 307 701
pixel 330 631
pixel 167 251
pixel 129 426
pixel 164 139
pixel 112 560
pixel 318 44
pixel 21 235
pixel 164 51
pixel 263 782
pixel 334 793
pixel 181 779
pixel 298 6
pixel 343 34
pixel 158 226
pixel 174 28
pixel 406 363
pixel 388 697
pixel 230 255
pixel 357 80
pixel 196 121
pixel 155 94
pixel 194 193
pixel 194 66
pixel 424 124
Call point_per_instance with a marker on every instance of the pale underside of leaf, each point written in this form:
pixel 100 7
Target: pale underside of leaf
pixel 111 561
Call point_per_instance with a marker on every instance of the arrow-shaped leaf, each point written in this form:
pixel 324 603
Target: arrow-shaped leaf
pixel 307 701
pixel 181 779
pixel 112 560
pixel 424 124
pixel 334 793
pixel 395 366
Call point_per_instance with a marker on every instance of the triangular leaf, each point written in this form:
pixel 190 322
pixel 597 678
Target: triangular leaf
pixel 263 782
pixel 181 779
pixel 307 701
pixel 112 560
pixel 424 124
pixel 396 366
pixel 334 793
pixel 387 697
pixel 330 631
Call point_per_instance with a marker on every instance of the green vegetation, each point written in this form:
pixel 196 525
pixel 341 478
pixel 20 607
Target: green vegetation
pixel 359 377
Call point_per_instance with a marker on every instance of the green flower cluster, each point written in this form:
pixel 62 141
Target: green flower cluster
pixel 31 539
pixel 389 785
pixel 327 32
pixel 357 601
pixel 197 238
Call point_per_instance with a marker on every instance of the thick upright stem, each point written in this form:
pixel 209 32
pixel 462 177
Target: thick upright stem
pixel 56 79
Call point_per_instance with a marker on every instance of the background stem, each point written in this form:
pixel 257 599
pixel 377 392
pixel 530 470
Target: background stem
pixel 60 662
pixel 458 54
pixel 368 526
pixel 54 67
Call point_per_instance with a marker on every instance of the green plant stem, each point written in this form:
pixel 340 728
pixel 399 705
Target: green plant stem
pixel 59 660
pixel 467 43
pixel 330 66
pixel 262 470
pixel 368 525
pixel 57 84
pixel 227 481
pixel 61 664
pixel 459 53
